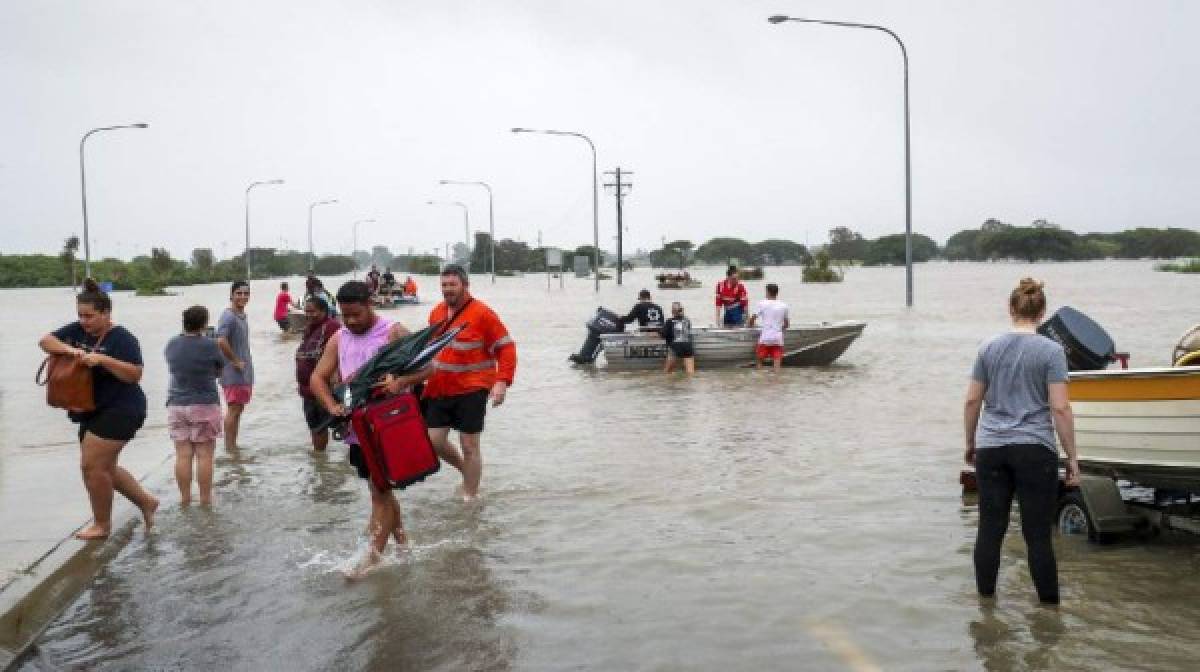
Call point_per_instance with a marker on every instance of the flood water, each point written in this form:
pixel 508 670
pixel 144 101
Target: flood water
pixel 732 521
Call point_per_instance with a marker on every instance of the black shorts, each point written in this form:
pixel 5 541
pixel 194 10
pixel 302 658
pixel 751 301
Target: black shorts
pixel 682 350
pixel 463 412
pixel 111 425
pixel 283 323
pixel 314 414
pixel 355 457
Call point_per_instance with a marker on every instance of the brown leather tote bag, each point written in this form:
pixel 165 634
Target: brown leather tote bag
pixel 69 382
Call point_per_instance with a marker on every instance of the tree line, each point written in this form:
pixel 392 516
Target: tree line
pixel 150 273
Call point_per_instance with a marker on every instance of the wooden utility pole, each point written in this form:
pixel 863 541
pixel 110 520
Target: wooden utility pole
pixel 620 188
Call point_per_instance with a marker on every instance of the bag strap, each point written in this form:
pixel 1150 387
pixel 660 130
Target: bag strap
pixel 446 324
pixel 37 377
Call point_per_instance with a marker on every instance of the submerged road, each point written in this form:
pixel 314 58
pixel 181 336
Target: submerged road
pixel 630 521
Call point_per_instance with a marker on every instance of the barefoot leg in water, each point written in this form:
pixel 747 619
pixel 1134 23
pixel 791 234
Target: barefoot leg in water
pixel 440 438
pixel 472 470
pixel 385 522
pixel 101 476
pixel 184 455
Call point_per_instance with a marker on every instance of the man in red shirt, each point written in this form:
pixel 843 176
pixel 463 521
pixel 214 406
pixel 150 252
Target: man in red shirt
pixel 732 300
pixel 283 305
pixel 476 367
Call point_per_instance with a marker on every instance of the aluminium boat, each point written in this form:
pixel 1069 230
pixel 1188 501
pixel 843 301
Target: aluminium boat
pixel 816 344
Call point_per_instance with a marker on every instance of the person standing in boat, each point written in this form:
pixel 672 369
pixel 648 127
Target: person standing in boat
pixel 477 367
pixel 363 333
pixel 732 300
pixel 319 330
pixel 283 306
pixel 115 358
pixel 677 331
pixel 1016 402
pixel 774 316
pixel 237 378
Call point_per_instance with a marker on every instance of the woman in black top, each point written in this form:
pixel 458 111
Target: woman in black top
pixel 116 362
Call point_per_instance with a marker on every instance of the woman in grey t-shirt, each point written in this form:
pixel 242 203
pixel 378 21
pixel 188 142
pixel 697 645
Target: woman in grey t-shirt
pixel 1019 382
pixel 193 407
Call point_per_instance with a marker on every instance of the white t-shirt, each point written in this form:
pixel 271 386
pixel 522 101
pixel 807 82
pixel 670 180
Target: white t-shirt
pixel 771 314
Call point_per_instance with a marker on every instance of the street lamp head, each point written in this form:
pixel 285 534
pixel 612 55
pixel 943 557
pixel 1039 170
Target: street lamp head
pixel 444 182
pixel 274 182
pixel 778 18
pixel 140 126
pixel 521 130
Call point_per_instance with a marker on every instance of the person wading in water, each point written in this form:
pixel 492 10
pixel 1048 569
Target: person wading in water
pixel 479 365
pixel 363 334
pixel 115 358
pixel 1019 381
pixel 237 378
pixel 320 329
pixel 193 407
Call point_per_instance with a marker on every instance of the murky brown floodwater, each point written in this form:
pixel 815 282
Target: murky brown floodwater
pixel 633 521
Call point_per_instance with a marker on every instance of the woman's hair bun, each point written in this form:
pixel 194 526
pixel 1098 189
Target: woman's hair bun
pixel 1030 286
pixel 91 286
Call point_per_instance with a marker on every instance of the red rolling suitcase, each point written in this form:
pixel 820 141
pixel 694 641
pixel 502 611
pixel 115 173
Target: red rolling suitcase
pixel 394 441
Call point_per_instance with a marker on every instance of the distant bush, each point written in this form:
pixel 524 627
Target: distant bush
pixel 819 270
pixel 1191 266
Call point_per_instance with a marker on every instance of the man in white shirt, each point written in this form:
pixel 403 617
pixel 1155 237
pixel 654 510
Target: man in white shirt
pixel 773 316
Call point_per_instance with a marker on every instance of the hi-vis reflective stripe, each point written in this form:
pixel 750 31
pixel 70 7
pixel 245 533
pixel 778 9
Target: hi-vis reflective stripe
pixel 466 345
pixel 501 342
pixel 465 368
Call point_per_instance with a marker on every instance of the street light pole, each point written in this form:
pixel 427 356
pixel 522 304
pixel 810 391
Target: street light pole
pixel 907 144
pixel 252 185
pixel 491 218
pixel 354 248
pixel 466 226
pixel 595 191
pixel 312 258
pixel 87 246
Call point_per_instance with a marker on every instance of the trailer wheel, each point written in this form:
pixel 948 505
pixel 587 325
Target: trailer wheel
pixel 1074 519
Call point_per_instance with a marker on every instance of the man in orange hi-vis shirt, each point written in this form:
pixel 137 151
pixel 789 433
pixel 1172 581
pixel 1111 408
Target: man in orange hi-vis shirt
pixel 476 367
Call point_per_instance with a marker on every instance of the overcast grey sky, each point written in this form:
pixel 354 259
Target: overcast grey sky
pixel 1081 112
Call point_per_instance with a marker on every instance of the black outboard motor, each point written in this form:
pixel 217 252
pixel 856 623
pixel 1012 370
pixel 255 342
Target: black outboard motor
pixel 1088 346
pixel 603 322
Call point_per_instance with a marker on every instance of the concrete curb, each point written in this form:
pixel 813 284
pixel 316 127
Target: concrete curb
pixel 30 603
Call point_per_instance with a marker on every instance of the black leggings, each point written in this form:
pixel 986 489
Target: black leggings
pixel 1031 471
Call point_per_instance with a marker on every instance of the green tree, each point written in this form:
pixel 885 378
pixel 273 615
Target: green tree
pixel 723 250
pixel 963 246
pixel 818 269
pixel 890 250
pixel 69 255
pixel 777 252
pixel 846 245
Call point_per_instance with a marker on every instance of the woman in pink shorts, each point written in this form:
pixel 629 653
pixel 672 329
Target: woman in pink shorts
pixel 193 407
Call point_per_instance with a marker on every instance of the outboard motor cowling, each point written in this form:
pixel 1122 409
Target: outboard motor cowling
pixel 603 322
pixel 1087 344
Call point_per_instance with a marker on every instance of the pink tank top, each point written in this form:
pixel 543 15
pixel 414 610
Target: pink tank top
pixel 355 349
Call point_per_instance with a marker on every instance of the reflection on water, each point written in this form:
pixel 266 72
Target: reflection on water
pixel 736 520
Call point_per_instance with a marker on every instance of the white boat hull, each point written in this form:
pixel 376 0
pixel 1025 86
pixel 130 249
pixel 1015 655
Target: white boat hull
pixel 1142 425
pixel 804 345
